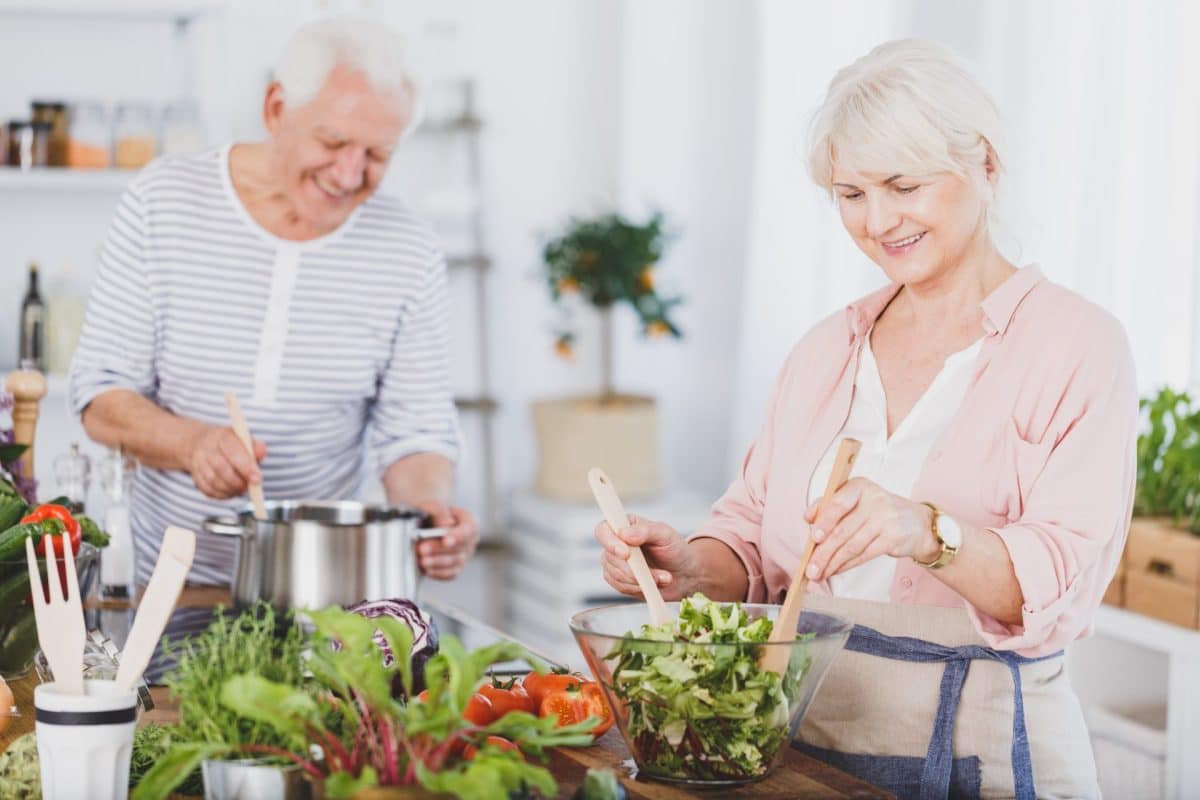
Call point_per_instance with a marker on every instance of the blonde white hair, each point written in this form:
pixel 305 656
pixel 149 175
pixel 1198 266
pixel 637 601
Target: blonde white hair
pixel 367 46
pixel 909 107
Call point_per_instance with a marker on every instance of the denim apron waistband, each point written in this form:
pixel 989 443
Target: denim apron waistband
pixel 935 777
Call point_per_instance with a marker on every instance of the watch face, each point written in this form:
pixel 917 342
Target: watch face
pixel 949 531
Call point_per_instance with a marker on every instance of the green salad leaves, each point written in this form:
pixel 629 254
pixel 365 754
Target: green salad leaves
pixel 700 707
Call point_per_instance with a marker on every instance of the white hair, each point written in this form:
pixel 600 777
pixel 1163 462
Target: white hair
pixel 366 46
pixel 908 107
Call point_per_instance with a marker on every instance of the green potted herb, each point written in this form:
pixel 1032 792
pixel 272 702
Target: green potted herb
pixel 233 645
pixel 366 737
pixel 605 262
pixel 1162 558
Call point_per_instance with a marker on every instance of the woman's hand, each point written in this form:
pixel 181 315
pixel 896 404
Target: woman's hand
pixel 863 521
pixel 665 549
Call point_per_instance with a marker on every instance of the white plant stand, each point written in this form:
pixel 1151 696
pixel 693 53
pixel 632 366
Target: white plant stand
pixel 1139 680
pixel 554 566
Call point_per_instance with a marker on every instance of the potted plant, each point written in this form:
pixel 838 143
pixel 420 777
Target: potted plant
pixel 254 641
pixel 1162 557
pixel 604 262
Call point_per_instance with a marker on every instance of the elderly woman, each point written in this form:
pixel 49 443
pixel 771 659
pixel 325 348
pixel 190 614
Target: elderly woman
pixel 989 504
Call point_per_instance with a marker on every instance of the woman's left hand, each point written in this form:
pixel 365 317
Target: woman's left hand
pixel 863 521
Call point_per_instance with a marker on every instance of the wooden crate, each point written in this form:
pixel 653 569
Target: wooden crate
pixel 1162 571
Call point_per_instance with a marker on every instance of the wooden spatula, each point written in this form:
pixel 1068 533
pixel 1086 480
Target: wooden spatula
pixel 157 604
pixel 237 421
pixel 776 658
pixel 614 514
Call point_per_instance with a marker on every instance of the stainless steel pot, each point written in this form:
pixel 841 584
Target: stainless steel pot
pixel 310 554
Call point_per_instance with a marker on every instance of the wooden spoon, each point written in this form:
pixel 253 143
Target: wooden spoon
pixel 776 658
pixel 157 604
pixel 614 514
pixel 238 421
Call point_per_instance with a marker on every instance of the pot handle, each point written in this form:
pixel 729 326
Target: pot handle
pixel 224 526
pixel 429 533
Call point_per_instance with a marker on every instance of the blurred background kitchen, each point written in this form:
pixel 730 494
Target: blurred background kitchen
pixel 540 110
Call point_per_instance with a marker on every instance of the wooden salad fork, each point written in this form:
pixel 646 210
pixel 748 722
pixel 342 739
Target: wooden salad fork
pixel 60 626
pixel 784 631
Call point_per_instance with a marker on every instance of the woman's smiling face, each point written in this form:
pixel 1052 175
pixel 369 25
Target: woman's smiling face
pixel 916 227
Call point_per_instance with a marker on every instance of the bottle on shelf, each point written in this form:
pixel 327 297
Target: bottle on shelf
pixel 33 326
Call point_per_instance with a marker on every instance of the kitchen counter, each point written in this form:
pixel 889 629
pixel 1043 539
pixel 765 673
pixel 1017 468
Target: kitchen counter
pixel 798 775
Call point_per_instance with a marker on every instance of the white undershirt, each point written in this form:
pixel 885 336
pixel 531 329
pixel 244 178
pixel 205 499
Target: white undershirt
pixel 893 463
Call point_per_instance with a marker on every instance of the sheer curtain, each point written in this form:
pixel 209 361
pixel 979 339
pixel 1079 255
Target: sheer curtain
pixel 1102 109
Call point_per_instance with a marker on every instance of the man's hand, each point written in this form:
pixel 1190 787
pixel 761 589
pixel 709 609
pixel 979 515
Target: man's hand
pixel 220 466
pixel 444 558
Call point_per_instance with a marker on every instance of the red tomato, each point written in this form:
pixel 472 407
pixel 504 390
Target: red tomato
pixel 479 710
pixel 504 700
pixel 575 704
pixel 538 686
pixel 495 741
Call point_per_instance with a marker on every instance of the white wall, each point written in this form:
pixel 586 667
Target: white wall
pixel 689 92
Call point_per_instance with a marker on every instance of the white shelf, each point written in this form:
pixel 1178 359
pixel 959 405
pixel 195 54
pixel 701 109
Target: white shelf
pixel 59 179
pixel 1145 632
pixel 148 10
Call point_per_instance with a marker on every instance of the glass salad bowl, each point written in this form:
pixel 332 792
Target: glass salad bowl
pixel 691 699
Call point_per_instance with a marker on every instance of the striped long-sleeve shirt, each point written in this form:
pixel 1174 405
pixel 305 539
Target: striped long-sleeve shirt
pixel 337 346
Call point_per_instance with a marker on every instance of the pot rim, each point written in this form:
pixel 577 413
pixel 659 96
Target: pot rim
pixel 257 762
pixel 334 513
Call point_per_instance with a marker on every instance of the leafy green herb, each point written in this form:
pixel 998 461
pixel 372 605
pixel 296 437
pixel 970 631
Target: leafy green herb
pixel 700 707
pixel 151 743
pixel 233 646
pixel 1168 458
pixel 20 773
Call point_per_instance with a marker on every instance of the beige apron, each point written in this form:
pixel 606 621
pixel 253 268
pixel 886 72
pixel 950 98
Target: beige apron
pixel 875 714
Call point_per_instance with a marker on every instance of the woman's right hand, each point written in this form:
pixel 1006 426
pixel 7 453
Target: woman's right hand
pixel 665 549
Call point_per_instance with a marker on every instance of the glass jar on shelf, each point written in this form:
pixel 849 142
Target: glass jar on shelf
pixel 134 140
pixel 28 144
pixel 53 113
pixel 182 132
pixel 89 144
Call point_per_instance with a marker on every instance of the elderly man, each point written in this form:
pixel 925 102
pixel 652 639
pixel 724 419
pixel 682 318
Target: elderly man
pixel 274 270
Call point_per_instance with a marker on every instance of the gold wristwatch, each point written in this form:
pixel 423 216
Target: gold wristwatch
pixel 948 534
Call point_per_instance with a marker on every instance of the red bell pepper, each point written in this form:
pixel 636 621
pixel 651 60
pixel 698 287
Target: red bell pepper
pixel 70 526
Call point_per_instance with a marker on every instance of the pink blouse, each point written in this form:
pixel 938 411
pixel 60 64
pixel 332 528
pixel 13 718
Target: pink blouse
pixel 1041 452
